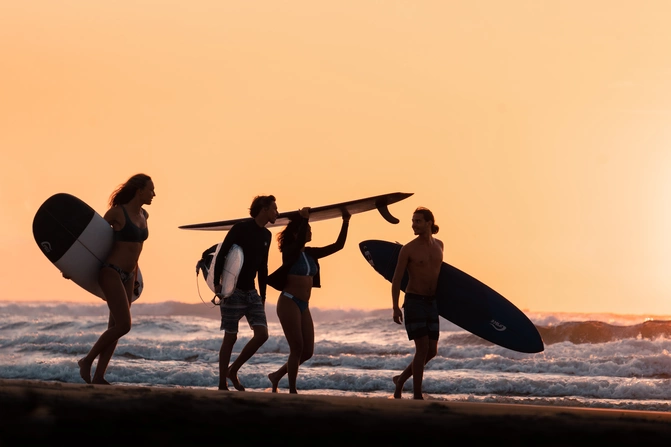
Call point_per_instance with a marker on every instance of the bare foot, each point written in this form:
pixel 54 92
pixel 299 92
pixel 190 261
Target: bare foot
pixel 398 391
pixel 223 388
pixel 100 381
pixel 274 381
pixel 236 383
pixel 84 370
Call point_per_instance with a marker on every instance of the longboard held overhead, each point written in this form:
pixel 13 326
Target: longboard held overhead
pixel 380 203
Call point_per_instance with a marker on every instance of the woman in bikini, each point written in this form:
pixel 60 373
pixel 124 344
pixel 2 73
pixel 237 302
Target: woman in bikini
pixel 117 274
pixel 295 279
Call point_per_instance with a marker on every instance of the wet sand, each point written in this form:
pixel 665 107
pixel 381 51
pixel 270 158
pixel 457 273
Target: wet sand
pixel 53 413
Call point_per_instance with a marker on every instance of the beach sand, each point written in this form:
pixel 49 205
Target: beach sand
pixel 54 413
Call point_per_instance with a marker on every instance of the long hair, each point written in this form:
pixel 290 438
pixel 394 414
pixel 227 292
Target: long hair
pixel 287 237
pixel 259 203
pixel 125 192
pixel 428 216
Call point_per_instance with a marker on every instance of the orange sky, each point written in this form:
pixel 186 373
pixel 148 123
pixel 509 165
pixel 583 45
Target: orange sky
pixel 538 133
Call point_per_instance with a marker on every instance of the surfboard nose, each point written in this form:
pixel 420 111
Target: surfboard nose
pixel 366 253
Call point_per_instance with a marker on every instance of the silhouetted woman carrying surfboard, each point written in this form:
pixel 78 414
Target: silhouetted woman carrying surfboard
pixel 295 278
pixel 117 274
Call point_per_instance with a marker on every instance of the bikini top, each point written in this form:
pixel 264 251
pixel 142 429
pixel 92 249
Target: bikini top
pixel 305 265
pixel 131 232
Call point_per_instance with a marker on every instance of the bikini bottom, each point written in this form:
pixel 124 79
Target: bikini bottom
pixel 125 276
pixel 302 305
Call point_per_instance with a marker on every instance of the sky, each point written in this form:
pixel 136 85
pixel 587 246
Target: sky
pixel 537 132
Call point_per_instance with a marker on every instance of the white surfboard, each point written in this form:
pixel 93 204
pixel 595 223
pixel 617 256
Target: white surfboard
pixel 76 240
pixel 232 266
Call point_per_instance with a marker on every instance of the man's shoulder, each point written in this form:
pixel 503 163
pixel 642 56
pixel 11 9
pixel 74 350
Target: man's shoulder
pixel 412 243
pixel 243 224
pixel 238 232
pixel 418 245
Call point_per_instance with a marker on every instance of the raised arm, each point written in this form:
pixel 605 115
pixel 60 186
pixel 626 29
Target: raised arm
pixel 339 244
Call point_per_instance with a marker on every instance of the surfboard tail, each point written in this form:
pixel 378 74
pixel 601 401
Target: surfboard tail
pixel 383 207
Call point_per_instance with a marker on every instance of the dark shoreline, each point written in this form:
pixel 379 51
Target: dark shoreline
pixel 54 413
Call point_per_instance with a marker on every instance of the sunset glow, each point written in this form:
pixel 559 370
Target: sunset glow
pixel 537 132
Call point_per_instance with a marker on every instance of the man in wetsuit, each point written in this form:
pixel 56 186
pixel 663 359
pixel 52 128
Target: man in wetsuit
pixel 422 258
pixel 254 239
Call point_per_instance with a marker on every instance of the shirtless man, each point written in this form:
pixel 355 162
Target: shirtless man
pixel 422 257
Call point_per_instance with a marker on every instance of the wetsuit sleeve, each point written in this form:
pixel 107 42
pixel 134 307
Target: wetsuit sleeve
pixel 321 252
pixel 233 235
pixel 263 269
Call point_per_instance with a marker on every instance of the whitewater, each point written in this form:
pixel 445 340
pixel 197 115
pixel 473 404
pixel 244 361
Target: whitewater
pixel 590 360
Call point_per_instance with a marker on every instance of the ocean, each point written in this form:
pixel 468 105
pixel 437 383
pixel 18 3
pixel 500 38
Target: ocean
pixel 590 360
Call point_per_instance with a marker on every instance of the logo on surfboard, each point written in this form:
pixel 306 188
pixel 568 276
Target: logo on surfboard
pixel 369 258
pixel 497 326
pixel 46 246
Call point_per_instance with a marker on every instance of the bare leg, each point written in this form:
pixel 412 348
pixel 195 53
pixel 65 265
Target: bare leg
pixel 236 382
pixel 101 366
pixel 421 349
pixel 117 302
pixel 308 329
pixel 225 357
pixel 105 356
pixel 275 377
pixel 84 370
pixel 399 380
pixel 259 338
pixel 299 330
pixel 290 318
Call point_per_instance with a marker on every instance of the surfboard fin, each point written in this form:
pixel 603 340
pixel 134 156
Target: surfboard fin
pixel 381 205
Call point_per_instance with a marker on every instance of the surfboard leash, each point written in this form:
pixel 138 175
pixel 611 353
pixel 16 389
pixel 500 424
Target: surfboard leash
pixel 201 297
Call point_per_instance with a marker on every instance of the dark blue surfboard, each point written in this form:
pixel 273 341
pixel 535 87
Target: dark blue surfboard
pixel 465 301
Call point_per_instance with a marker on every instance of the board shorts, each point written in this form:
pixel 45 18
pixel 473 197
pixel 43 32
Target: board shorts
pixel 421 316
pixel 242 303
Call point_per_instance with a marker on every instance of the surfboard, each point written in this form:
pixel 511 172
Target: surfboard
pixel 380 203
pixel 232 266
pixel 76 240
pixel 465 301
